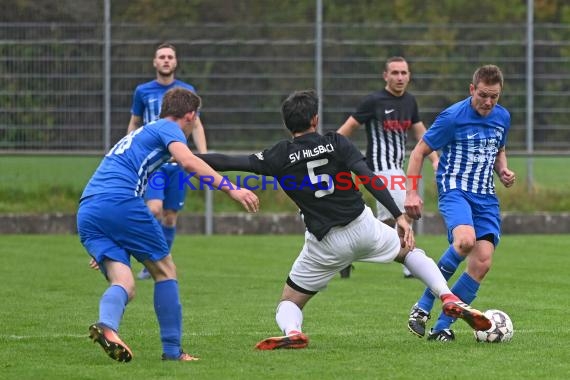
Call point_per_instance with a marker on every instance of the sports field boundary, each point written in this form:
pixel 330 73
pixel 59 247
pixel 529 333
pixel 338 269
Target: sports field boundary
pixel 277 224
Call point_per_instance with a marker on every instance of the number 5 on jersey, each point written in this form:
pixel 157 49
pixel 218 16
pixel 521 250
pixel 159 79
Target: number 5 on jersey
pixel 317 179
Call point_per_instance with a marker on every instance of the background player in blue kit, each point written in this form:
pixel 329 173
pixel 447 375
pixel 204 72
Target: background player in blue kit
pixel 114 223
pixel 164 201
pixel 472 135
pixel 340 227
pixel 388 115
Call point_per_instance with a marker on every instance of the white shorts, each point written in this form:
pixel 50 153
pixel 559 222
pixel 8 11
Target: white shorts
pixel 363 239
pixel 393 180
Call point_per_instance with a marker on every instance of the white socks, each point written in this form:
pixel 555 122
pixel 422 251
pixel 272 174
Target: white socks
pixel 289 317
pixel 425 269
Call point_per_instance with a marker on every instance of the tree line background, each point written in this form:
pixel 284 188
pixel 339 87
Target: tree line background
pixel 278 11
pixel 245 56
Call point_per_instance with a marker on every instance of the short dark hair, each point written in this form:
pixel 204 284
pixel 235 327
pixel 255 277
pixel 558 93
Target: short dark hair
pixel 395 58
pixel 178 101
pixel 165 45
pixel 299 109
pixel 488 74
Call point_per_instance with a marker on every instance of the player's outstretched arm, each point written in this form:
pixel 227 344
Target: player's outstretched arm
pixel 192 163
pixel 223 162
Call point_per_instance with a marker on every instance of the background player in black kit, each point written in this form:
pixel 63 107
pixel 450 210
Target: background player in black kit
pixel 388 115
pixel 313 170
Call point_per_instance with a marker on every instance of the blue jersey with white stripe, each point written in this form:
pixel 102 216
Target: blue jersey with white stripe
pixel 147 98
pixel 125 169
pixel 469 143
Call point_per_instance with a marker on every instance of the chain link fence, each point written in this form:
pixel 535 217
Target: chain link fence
pixel 52 77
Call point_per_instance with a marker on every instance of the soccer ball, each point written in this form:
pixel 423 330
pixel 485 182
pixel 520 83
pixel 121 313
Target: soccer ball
pixel 501 330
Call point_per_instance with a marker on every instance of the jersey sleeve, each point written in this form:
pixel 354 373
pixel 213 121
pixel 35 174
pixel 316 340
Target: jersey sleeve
pixel 172 133
pixel 441 132
pixel 415 112
pixel 137 108
pixel 348 152
pixel 507 124
pixel 365 110
pixel 260 163
pixel 187 86
pixel 270 162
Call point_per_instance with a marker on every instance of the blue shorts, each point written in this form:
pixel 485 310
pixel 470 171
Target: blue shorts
pixel 118 227
pixel 167 185
pixel 481 211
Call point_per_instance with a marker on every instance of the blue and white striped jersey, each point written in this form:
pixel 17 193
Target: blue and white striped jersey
pixel 127 166
pixel 147 98
pixel 469 144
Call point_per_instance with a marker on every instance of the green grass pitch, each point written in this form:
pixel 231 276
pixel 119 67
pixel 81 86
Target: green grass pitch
pixel 229 289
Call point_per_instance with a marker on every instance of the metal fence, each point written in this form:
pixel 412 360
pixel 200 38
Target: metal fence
pixel 52 76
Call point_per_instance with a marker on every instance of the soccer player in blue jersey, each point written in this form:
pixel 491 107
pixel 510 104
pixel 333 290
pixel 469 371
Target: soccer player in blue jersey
pixel 114 223
pixel 164 201
pixel 314 170
pixel 472 135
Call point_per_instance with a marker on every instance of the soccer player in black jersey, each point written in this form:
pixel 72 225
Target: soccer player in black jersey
pixel 315 170
pixel 388 115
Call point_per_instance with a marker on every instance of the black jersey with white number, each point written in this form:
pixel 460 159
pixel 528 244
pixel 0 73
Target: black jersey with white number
pixel 313 170
pixel 387 119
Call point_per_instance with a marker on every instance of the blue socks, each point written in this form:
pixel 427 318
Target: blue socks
pixel 448 264
pixel 466 289
pixel 169 314
pixel 169 233
pixel 112 306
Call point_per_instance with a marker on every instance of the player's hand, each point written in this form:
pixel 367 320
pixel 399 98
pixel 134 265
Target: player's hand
pixel 405 232
pixel 413 205
pixel 507 177
pixel 248 200
pixel 93 264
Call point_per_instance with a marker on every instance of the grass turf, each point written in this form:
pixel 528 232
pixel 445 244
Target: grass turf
pixel 229 288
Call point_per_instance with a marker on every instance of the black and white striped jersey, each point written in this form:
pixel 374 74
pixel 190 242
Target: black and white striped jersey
pixel 387 119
